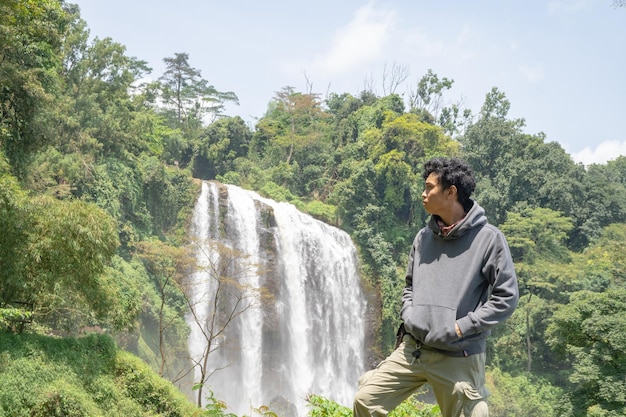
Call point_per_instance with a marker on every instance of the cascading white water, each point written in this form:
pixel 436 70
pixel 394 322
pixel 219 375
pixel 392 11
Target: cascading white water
pixel 303 333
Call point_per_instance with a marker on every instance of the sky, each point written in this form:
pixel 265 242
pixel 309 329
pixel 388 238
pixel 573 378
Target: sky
pixel 560 63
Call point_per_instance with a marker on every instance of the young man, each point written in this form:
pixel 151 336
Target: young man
pixel 460 282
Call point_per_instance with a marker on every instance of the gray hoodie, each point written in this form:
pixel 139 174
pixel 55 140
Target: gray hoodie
pixel 466 277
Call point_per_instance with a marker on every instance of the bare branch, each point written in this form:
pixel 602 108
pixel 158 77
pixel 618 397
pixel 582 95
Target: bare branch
pixel 230 298
pixel 398 74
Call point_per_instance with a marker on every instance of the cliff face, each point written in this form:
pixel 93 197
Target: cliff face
pixel 280 298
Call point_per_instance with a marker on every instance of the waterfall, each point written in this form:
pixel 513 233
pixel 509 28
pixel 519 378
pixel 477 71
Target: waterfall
pixel 278 298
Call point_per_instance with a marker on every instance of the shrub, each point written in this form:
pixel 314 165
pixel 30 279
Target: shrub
pixel 60 399
pixel 146 388
pixel 87 376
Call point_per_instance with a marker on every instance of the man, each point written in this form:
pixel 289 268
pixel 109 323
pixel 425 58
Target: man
pixel 460 282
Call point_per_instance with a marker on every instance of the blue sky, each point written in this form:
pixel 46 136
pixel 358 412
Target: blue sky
pixel 561 63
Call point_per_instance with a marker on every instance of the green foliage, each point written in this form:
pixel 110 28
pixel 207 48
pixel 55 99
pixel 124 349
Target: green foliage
pixel 606 260
pixel 31 35
pixel 590 332
pixel 515 169
pixel 537 233
pixel 276 192
pixel 415 408
pixel 59 256
pixel 60 399
pixel 214 407
pixel 605 189
pixel 322 407
pixel 12 207
pixel 219 146
pixel 169 194
pixel 521 396
pixel 14 319
pixel 125 288
pixel 88 376
pixel 154 394
pixel 321 211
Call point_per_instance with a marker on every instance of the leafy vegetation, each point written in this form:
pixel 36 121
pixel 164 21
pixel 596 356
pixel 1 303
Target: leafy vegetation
pixel 99 173
pixel 86 376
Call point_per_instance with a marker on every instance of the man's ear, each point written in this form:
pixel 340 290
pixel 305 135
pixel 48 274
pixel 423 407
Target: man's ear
pixel 452 191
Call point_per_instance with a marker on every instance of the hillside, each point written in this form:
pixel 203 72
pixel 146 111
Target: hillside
pixel 42 376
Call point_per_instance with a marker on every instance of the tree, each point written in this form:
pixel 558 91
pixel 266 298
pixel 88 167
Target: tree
pixel 188 102
pixel 604 199
pixel 590 332
pixel 393 79
pixel 12 223
pixel 537 240
pixel 31 33
pixel 221 143
pixel 167 266
pixel 99 78
pixel 56 261
pixel 427 97
pixel 217 296
pixel 521 395
pixel 298 114
pixel 293 143
pixel 189 96
pixel 514 169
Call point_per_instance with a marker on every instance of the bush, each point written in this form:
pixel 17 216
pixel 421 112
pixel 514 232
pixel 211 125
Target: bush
pixel 60 399
pixel 322 407
pixel 146 388
pixel 14 319
pixel 321 211
pixel 87 376
pixel 520 396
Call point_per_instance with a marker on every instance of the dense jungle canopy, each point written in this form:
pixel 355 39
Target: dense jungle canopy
pixel 97 171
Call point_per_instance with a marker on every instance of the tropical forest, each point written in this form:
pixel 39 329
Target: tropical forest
pixel 101 165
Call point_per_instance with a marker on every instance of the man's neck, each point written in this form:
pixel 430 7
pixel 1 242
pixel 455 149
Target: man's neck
pixel 453 215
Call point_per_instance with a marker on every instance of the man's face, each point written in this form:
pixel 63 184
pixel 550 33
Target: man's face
pixel 434 197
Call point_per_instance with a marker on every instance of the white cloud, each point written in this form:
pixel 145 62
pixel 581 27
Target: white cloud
pixel 605 151
pixel 533 73
pixel 361 41
pixel 455 46
pixel 428 47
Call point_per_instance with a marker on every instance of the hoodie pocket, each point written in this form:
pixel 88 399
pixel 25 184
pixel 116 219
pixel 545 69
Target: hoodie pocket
pixel 433 325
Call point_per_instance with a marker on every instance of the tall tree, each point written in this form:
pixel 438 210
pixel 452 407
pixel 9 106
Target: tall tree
pixel 190 96
pixel 590 332
pixel 603 199
pixel 537 238
pixel 31 33
pixel 426 100
pixel 298 113
pixel 514 168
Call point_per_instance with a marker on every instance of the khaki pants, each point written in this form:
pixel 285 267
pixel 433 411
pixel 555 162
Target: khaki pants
pixel 458 382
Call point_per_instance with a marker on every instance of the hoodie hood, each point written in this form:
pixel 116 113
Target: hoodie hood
pixel 474 217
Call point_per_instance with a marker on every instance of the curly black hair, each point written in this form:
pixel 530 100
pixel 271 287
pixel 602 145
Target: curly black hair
pixel 453 171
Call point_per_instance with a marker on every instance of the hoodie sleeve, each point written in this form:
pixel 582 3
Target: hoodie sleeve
pixel 499 270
